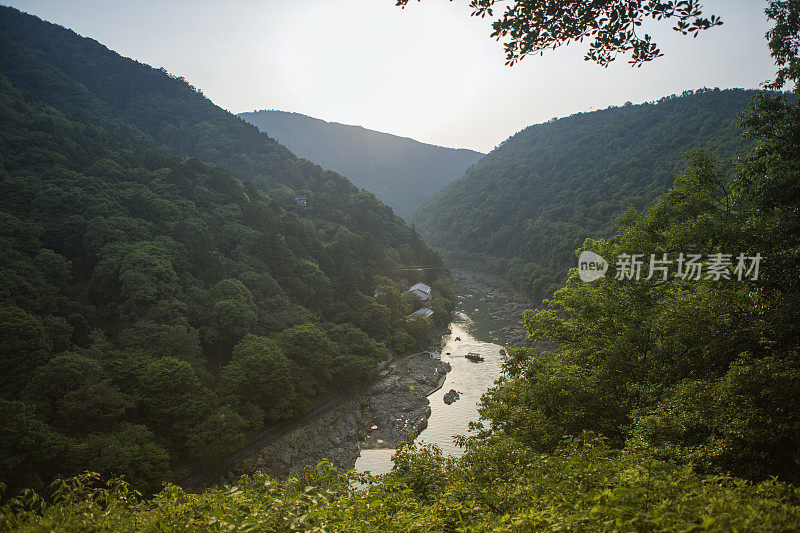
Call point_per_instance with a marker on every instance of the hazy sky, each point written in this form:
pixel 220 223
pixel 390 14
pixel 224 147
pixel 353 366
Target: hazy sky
pixel 429 72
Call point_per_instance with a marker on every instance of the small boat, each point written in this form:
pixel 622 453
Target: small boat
pixel 474 357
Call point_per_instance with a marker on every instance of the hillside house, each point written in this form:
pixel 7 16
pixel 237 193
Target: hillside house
pixel 423 292
pixel 423 312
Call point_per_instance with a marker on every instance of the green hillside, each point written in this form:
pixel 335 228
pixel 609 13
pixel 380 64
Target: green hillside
pixel 162 295
pixel 401 172
pixel 523 209
pixel 156 307
pixel 667 405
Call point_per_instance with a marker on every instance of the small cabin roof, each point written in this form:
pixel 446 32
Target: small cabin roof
pixel 424 311
pixel 422 295
pixel 421 287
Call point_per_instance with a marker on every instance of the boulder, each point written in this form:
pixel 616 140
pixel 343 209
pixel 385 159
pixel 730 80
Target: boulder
pixel 451 396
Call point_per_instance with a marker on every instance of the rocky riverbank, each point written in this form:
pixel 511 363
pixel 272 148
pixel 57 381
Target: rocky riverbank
pixel 507 306
pixel 398 405
pixel 395 405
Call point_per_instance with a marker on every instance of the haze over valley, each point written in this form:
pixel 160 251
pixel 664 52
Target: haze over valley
pixel 403 173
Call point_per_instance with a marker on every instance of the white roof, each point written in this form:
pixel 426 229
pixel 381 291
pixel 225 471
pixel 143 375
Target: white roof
pixel 422 295
pixel 420 287
pixel 424 311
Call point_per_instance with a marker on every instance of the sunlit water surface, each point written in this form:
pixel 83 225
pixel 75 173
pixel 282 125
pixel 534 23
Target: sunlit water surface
pixel 473 326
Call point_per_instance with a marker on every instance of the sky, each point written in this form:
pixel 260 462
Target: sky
pixel 430 71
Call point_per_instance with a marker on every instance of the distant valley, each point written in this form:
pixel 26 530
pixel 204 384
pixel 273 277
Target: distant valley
pixel 401 172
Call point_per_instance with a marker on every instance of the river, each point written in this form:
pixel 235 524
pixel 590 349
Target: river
pixel 472 330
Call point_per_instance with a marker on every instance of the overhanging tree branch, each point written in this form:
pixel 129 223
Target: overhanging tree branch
pixel 534 26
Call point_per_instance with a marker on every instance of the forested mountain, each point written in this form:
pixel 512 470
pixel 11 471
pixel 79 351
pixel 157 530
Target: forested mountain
pixel 524 208
pixel 162 293
pixel 401 172
pixel 667 397
pixel 668 404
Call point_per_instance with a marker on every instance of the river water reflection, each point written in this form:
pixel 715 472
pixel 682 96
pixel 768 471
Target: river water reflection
pixel 473 326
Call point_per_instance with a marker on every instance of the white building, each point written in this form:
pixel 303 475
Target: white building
pixel 422 291
pixel 424 311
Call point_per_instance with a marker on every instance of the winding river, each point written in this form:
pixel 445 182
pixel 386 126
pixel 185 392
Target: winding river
pixel 472 330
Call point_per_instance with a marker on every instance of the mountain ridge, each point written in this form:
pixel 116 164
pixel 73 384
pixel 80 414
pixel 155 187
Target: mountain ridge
pixel 400 171
pixel 360 127
pixel 523 209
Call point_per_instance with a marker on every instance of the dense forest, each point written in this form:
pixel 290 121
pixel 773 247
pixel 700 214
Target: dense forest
pixel 667 405
pixel 523 209
pixel 162 295
pixel 660 403
pixel 401 172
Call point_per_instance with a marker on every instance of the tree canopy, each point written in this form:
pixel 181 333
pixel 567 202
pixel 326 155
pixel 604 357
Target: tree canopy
pixel 612 27
pixel 524 208
pixel 162 295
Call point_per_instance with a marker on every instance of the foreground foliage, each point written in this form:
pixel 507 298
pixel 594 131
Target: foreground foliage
pixel 705 371
pixel 583 486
